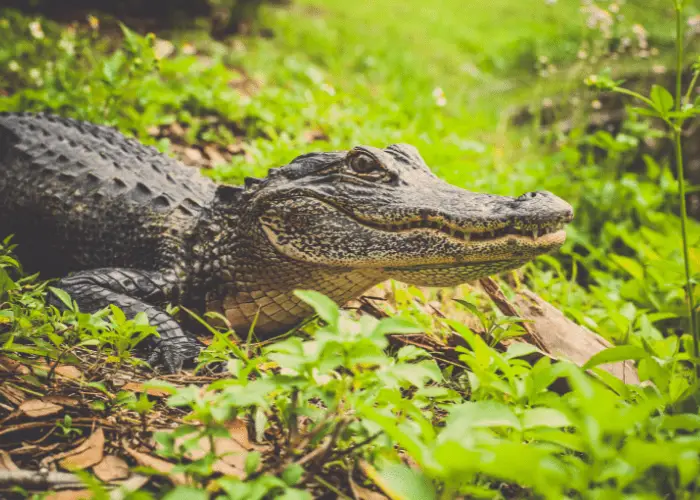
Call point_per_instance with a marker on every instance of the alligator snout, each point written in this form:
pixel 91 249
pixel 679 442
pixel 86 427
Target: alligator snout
pixel 541 205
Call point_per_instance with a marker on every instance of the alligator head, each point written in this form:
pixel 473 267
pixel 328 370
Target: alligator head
pixel 341 222
pixel 383 209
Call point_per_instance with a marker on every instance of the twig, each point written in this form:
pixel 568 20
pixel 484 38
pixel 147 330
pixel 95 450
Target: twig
pixel 78 422
pixel 327 450
pixel 311 435
pixel 38 480
pixel 331 487
pixel 293 433
pixel 494 291
pixel 337 454
pixel 134 483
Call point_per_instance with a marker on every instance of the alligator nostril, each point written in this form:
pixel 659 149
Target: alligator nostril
pixel 529 196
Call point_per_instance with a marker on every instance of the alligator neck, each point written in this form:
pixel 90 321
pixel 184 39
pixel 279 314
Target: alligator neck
pixel 242 276
pixel 270 294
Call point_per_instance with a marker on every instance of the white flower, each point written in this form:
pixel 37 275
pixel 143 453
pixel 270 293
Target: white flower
pixel 599 19
pixel 439 96
pixel 93 22
pixel 188 49
pixel 67 46
pixel 13 66
pixel 35 75
pixel 36 30
pixel 162 48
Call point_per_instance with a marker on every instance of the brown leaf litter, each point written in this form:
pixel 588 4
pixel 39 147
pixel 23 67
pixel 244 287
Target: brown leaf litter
pixel 49 430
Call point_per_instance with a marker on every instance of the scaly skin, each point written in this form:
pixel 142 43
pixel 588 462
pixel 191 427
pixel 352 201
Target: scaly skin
pixel 120 223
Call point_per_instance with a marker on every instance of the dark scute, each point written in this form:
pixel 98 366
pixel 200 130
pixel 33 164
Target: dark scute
pixel 225 193
pixel 309 163
pixel 161 203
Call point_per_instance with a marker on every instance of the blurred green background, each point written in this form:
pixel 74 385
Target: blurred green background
pixel 491 92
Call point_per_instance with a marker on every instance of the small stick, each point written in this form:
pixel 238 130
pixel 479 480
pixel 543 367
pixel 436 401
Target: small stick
pixel 39 480
pixel 494 291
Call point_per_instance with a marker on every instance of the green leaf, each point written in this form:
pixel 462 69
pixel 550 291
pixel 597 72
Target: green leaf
pixel 293 474
pixel 418 373
pixel 402 482
pixel 474 310
pixel 615 354
pixel 63 297
pixel 684 421
pixel 519 349
pixel 327 310
pixel 186 493
pixel 643 111
pixel 662 99
pixel 544 417
pixel 633 267
pixel 411 352
pixel 252 462
pixel 131 39
pixel 396 326
pixel 117 314
pixel 483 414
pixel 294 494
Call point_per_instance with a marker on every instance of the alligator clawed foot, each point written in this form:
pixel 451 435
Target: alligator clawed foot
pixel 173 358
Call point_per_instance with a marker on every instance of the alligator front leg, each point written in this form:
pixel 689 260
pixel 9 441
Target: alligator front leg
pixel 135 291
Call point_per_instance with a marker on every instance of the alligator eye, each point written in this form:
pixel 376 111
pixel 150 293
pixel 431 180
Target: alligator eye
pixel 364 164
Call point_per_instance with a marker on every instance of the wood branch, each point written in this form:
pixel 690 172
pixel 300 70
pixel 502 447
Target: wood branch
pixel 32 479
pixel 496 294
pixel 555 334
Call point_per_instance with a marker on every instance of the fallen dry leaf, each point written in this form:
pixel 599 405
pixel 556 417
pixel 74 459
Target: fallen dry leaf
pixel 194 155
pixel 32 449
pixel 69 371
pixel 89 453
pixel 6 462
pixel 151 391
pixel 239 431
pixel 14 396
pixel 63 401
pixel 235 149
pixel 176 129
pixel 111 468
pixel 231 461
pixel 231 451
pixel 315 135
pixel 158 464
pixel 365 493
pixel 36 408
pixel 214 156
pixel 70 495
pixel 12 366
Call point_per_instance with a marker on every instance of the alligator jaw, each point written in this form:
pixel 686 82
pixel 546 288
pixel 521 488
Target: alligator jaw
pixel 549 233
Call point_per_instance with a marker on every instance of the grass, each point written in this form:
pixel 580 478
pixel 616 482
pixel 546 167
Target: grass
pixel 335 74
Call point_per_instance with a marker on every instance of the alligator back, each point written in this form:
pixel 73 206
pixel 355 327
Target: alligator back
pixel 80 196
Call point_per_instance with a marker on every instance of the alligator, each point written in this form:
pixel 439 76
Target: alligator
pixel 117 222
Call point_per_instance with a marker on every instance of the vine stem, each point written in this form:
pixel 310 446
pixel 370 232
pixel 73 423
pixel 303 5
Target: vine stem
pixel 677 135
